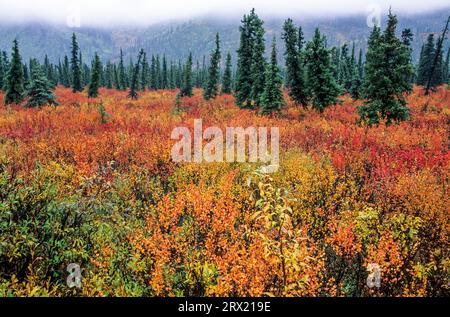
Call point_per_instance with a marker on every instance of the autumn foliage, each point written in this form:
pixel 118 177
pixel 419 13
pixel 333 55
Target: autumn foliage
pixel 92 182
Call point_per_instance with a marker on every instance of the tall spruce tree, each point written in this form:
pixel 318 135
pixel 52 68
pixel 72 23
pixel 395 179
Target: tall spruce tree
pixel 135 78
pixel 186 89
pixel 437 66
pixel 244 75
pixel 258 69
pixel 227 76
pixel 386 76
pixel 426 61
pixel 116 77
pixel 129 70
pixel 122 73
pixel 164 74
pixel 145 73
pixel 295 74
pixel 272 97
pixel 158 81
pixel 212 87
pixel 153 84
pixel 76 79
pixel 94 85
pixel 407 38
pixel 322 86
pixel 67 82
pixel 109 75
pixel 15 80
pixel 180 75
pixel 40 90
pixel 172 75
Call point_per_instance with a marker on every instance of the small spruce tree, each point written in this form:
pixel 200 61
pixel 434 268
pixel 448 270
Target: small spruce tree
pixel 227 76
pixel 295 75
pixel 186 89
pixel 387 72
pixel 40 91
pixel 212 87
pixel 95 77
pixel 76 76
pixel 15 79
pixel 272 97
pixel 135 78
pixel 322 86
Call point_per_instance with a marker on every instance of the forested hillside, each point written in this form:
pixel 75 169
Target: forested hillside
pixel 177 39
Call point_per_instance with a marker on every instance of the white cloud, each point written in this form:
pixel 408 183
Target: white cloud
pixel 107 12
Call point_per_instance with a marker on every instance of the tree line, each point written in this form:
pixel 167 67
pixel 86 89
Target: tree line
pixel 314 74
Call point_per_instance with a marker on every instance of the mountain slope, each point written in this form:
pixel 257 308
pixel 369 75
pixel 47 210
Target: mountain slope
pixel 176 40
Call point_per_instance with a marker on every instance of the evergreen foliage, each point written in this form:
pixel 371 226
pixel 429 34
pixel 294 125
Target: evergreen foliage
pixel 15 80
pixel 387 70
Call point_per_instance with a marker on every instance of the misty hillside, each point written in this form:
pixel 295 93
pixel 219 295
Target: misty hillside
pixel 176 40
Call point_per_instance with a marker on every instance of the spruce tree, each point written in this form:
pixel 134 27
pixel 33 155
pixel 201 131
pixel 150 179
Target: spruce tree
pixel 272 97
pixel 436 74
pixel 48 71
pixel 116 77
pixel 355 88
pixel 322 86
pixel 158 80
pixel 197 76
pixel 295 75
pixel 94 85
pixel 173 73
pixel 346 68
pixel 426 61
pixel 75 66
pixel 186 89
pixel 122 73
pixel 153 84
pixel 129 71
pixel 145 73
pixel 251 64
pixel 212 87
pixel 204 73
pixel 15 80
pixel 180 75
pixel 227 76
pixel 164 74
pixel 82 70
pixel 407 38
pixel 244 80
pixel 109 75
pixel 258 69
pixel 67 82
pixel 386 76
pixel 135 78
pixel 40 91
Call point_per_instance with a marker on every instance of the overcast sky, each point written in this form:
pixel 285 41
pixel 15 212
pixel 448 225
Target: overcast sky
pixel 109 12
